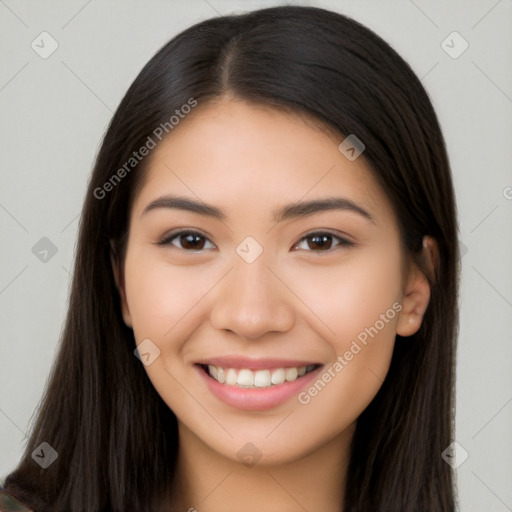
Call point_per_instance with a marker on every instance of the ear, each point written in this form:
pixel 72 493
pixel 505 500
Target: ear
pixel 417 290
pixel 118 272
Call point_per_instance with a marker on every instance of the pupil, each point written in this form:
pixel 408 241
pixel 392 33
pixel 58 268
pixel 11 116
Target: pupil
pixel 322 238
pixel 192 243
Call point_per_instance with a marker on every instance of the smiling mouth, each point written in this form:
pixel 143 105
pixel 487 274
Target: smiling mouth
pixel 256 379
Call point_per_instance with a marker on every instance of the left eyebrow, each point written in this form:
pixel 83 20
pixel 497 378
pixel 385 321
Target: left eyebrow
pixel 303 209
pixel 290 211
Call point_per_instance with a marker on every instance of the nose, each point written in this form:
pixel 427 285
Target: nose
pixel 252 301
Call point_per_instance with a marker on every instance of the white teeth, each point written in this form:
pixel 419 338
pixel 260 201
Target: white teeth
pixel 278 376
pixel 257 379
pixel 262 379
pixel 245 378
pixel 213 371
pixel 231 377
pixel 291 374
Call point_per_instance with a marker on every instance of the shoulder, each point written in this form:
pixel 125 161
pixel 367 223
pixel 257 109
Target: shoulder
pixel 10 503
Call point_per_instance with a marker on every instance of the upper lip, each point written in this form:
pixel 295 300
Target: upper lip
pixel 254 363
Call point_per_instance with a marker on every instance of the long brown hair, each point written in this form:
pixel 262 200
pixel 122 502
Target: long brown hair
pixel 116 439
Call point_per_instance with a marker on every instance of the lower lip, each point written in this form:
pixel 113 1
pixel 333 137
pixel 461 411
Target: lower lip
pixel 256 399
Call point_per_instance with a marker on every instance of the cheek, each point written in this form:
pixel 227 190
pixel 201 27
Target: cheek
pixel 356 307
pixel 163 303
pixel 158 296
pixel 350 297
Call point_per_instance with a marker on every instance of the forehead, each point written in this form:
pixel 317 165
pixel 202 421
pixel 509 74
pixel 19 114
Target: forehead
pixel 251 156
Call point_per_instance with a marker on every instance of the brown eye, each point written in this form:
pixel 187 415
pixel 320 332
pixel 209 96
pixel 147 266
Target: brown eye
pixel 323 241
pixel 187 240
pixel 320 241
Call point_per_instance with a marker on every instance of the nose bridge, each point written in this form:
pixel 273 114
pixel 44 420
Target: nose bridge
pixel 252 300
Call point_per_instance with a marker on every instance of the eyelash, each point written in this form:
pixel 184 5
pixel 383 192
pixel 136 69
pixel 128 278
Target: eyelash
pixel 343 242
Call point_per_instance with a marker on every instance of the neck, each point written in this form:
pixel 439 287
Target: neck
pixel 206 481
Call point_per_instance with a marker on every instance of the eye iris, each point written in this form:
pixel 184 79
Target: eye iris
pixel 191 242
pixel 318 240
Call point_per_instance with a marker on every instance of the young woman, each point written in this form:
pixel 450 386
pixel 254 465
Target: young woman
pixel 263 312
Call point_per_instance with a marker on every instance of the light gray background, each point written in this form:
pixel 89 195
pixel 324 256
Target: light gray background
pixel 54 112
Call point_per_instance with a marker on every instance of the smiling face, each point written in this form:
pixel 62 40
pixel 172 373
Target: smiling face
pixel 260 287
